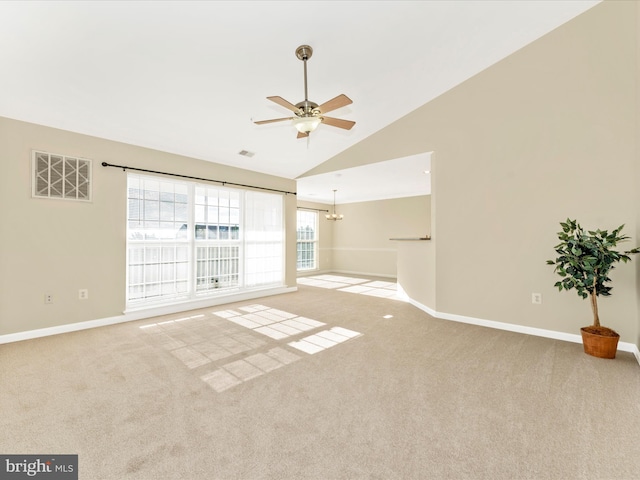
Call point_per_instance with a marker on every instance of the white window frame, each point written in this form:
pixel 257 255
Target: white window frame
pixel 170 237
pixel 313 242
pixel 215 241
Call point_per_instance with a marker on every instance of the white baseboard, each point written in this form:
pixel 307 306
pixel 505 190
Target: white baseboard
pixel 308 273
pixel 539 332
pixel 133 315
pixel 365 274
pixel 636 352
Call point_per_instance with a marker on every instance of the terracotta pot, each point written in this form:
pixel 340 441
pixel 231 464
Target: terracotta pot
pixel 600 346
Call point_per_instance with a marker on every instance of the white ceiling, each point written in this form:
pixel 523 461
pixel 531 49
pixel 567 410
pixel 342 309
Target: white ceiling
pixel 400 177
pixel 189 77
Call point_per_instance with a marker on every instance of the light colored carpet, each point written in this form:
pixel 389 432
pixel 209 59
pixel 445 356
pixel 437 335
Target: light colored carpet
pixel 317 384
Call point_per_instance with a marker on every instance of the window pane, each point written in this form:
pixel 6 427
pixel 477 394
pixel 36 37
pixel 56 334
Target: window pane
pixel 167 211
pixel 199 213
pixel 182 212
pixel 134 209
pixel 184 240
pixel 264 258
pixel 307 222
pixel 151 210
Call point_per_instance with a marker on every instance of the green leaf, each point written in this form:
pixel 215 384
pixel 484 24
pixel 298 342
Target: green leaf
pixel 585 256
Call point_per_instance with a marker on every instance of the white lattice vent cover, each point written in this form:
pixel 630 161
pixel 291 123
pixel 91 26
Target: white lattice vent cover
pixel 59 176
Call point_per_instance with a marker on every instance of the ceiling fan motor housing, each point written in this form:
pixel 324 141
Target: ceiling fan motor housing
pixel 307 109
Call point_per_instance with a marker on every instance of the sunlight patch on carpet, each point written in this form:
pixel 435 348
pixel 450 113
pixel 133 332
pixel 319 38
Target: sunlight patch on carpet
pixel 221 380
pixel 273 323
pixel 243 370
pixel 323 340
pixel 362 286
pixel 190 358
pixel 235 373
pixel 210 345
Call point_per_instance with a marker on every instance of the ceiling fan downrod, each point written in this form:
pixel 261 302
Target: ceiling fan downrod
pixel 304 52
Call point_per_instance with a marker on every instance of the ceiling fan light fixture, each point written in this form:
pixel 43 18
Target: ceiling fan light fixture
pixel 306 124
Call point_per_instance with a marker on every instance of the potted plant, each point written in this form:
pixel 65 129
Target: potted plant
pixel 584 262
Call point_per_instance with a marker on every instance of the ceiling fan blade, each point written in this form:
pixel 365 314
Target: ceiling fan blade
pixel 302 134
pixel 262 122
pixel 338 122
pixel 335 103
pixel 283 103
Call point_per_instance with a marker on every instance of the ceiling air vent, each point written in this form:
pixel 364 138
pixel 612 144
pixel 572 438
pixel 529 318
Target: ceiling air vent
pixel 246 153
pixel 59 176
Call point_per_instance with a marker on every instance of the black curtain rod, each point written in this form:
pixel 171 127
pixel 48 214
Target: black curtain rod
pixel 125 168
pixel 314 209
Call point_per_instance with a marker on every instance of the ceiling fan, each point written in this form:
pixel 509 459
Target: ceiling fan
pixel 308 115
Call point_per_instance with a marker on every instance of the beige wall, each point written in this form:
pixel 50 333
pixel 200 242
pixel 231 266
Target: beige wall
pixel 416 262
pixel 58 247
pixel 361 242
pixel 548 133
pixel 637 163
pixel 543 131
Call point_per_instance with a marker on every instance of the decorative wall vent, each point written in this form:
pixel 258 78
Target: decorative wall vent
pixel 59 176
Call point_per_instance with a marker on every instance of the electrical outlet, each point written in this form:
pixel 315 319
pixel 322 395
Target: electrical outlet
pixel 83 294
pixel 536 298
pixel 48 298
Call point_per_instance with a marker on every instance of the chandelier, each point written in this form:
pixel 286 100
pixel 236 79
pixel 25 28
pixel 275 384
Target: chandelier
pixel 334 215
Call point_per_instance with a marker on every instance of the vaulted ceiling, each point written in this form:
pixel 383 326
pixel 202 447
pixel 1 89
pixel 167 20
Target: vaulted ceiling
pixel 189 77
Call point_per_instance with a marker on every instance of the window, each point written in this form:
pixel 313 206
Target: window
pixel 307 240
pixel 264 239
pixel 217 238
pixel 187 240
